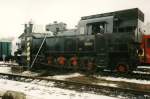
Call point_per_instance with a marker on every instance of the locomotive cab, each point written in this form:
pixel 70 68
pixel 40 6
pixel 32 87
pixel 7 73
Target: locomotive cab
pixel 117 37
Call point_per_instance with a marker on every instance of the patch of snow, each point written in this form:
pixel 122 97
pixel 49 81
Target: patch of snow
pixel 1 62
pixel 5 69
pixel 125 80
pixel 144 67
pixel 30 73
pixel 8 63
pixel 107 84
pixel 63 77
pixel 34 91
pixel 141 72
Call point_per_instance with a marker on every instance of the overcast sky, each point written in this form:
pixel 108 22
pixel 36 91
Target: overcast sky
pixel 14 13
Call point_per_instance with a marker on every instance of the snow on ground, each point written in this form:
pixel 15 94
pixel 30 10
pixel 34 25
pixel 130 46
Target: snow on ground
pixel 5 69
pixel 107 84
pixel 34 91
pixel 29 73
pixel 144 67
pixel 1 62
pixel 63 77
pixel 125 80
pixel 8 62
pixel 140 72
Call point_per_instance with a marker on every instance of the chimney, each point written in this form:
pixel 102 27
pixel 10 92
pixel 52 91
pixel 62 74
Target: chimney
pixel 30 27
pixel 25 28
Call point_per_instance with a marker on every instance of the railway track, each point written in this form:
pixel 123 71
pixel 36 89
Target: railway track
pixel 139 75
pixel 86 87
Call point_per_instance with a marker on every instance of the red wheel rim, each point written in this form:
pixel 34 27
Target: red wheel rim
pixel 121 68
pixel 61 60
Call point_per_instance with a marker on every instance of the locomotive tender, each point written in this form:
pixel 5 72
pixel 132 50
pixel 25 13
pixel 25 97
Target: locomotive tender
pixel 106 41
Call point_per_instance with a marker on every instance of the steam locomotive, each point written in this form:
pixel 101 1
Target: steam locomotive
pixel 113 41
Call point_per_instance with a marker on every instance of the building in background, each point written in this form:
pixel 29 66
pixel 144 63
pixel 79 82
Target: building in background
pixel 6 48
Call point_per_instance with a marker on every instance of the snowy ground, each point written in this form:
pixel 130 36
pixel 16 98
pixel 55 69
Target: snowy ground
pixel 125 80
pixel 145 67
pixel 8 62
pixel 63 77
pixel 38 91
pixel 5 69
pixel 34 91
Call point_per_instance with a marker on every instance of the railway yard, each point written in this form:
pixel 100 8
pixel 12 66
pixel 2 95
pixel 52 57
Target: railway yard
pixel 73 85
pixel 106 56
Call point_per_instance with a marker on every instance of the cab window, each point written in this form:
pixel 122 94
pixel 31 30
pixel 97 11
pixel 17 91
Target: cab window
pixel 96 28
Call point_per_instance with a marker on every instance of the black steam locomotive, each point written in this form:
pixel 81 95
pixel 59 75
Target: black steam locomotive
pixel 109 40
